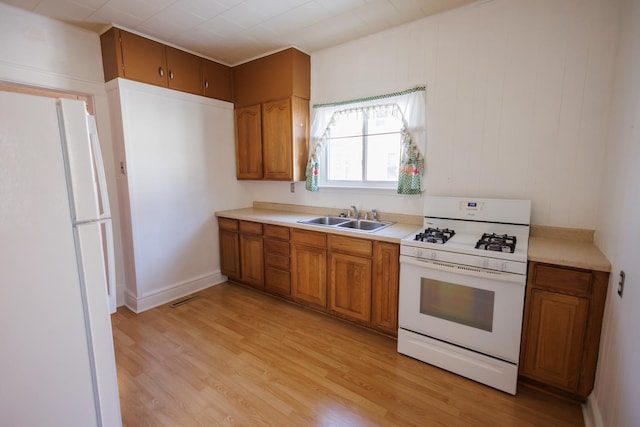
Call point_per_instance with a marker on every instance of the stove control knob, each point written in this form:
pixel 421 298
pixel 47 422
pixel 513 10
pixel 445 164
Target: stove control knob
pixel 484 263
pixel 434 255
pixel 419 253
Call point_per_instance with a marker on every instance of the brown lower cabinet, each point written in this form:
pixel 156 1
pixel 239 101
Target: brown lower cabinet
pixel 309 267
pixel 251 258
pixel 229 248
pixel 561 328
pixel 352 278
pixel 385 286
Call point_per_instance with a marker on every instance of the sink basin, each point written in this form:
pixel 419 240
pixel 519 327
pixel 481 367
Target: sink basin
pixel 325 220
pixel 364 225
pixel 347 223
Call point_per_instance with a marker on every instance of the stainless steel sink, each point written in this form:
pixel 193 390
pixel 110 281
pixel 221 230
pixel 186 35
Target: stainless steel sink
pixel 325 220
pixel 347 223
pixel 364 225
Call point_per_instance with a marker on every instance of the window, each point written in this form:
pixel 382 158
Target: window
pixel 369 142
pixel 363 148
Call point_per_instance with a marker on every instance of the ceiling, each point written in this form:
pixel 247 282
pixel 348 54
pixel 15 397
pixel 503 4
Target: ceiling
pixel 234 31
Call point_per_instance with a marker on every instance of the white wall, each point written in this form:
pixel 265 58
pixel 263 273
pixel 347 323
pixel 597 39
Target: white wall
pixel 180 169
pixel 522 84
pixel 615 397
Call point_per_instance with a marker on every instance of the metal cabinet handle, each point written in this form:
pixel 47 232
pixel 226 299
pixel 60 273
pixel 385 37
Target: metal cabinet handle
pixel 161 71
pixel 206 84
pixel 171 74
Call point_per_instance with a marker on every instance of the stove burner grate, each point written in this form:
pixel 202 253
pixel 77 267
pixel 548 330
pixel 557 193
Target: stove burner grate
pixel 435 235
pixel 497 242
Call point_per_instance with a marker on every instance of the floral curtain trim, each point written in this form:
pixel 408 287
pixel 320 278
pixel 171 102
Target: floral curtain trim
pixel 313 174
pixel 411 166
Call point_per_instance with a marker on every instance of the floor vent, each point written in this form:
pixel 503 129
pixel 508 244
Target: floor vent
pixel 184 301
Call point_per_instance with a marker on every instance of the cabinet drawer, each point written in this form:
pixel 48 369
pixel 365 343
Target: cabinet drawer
pixel 351 245
pixel 276 254
pixel 311 238
pixel 277 281
pixel 276 247
pixel 564 280
pixel 228 224
pixel 247 227
pixel 276 232
pixel 277 261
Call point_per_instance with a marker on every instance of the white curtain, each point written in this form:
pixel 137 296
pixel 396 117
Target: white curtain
pixel 412 105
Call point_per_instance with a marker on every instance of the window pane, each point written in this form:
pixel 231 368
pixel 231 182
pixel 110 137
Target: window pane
pixel 347 124
pixel 344 159
pixel 383 157
pixel 384 124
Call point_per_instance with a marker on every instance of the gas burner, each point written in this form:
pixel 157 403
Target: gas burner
pixel 497 242
pixel 435 235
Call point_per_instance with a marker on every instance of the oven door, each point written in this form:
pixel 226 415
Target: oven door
pixel 477 309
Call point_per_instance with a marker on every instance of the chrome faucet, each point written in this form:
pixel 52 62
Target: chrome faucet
pixel 356 213
pixel 374 214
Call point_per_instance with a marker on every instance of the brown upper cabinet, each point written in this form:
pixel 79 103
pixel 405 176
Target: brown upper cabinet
pixel 217 80
pixel 277 87
pixel 134 57
pixel 248 125
pixel 184 71
pixel 281 75
pixel 285 136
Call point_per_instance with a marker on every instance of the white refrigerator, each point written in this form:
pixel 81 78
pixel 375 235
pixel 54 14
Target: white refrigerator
pixel 57 364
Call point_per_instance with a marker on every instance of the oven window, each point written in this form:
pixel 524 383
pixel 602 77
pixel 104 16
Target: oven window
pixel 457 303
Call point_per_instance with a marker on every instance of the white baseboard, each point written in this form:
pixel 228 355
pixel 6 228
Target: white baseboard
pixel 591 413
pixel 170 293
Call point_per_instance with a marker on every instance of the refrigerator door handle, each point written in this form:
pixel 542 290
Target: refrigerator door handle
pixel 103 194
pixel 110 264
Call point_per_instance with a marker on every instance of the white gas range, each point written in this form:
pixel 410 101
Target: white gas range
pixel 462 283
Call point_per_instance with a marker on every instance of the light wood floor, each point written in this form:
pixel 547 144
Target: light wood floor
pixel 237 357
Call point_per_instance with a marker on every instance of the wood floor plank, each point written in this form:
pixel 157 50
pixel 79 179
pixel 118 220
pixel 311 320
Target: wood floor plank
pixel 236 357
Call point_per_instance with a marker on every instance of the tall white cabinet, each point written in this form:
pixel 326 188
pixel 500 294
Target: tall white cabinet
pixel 175 158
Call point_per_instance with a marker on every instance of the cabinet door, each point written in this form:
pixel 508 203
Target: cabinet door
pixel 230 254
pixel 248 142
pixel 384 290
pixel 350 285
pixel 217 80
pixel 252 263
pixel 300 137
pixel 277 140
pixel 277 281
pixel 183 71
pixel 309 274
pixel 555 339
pixel 143 59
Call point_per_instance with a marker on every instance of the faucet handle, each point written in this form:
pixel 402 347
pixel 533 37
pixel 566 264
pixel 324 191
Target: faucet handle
pixel 374 214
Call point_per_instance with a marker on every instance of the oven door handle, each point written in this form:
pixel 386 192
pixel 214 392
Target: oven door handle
pixel 464 269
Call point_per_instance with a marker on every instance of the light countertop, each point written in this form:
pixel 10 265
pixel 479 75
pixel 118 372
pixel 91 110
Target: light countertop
pixel 568 253
pixel 546 244
pixel 391 234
